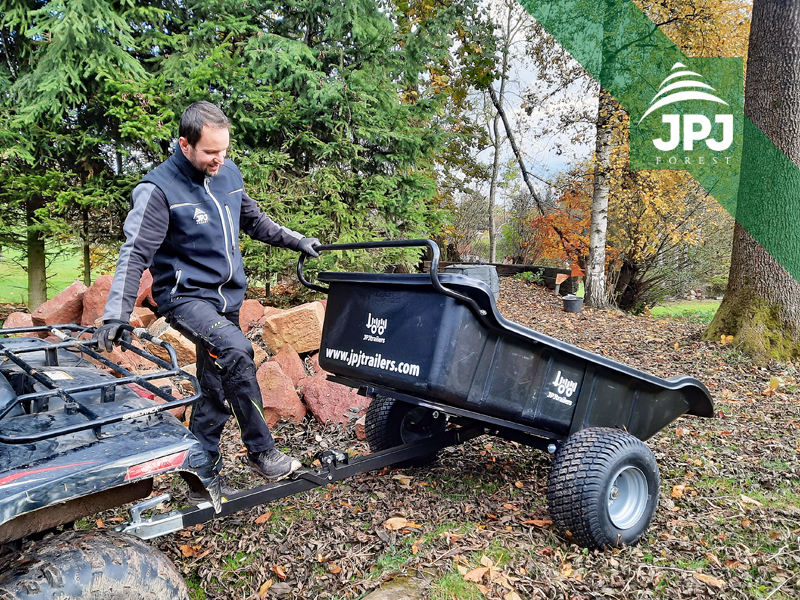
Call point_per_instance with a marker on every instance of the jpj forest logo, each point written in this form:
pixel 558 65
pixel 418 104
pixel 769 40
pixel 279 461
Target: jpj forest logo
pixel 689 122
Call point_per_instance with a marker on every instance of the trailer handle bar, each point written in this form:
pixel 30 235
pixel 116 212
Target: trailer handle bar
pixel 420 243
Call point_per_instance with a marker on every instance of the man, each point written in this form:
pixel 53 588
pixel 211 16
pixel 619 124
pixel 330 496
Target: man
pixel 184 224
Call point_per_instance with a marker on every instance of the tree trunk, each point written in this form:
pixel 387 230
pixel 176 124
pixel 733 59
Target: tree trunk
pixel 493 187
pixel 37 267
pixel 761 308
pixel 87 255
pixel 595 292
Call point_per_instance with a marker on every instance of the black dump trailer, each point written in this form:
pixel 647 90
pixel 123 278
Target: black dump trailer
pixel 433 352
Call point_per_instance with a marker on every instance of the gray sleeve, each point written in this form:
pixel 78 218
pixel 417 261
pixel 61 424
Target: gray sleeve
pixel 145 230
pixel 260 227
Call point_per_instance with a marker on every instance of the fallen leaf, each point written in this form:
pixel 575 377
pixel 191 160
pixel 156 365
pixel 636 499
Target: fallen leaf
pixel 462 570
pixel 279 571
pixel 510 506
pixel 749 500
pixel 263 518
pixel 774 382
pixel 746 523
pixel 518 484
pixel 713 581
pixel 404 480
pixel 483 589
pixel 486 561
pixel 677 491
pixel 512 596
pixel 397 523
pixel 262 591
pixel 334 568
pixel 191 551
pixel 713 559
pixel 100 523
pixel 566 569
pixel 476 575
pixel 734 564
pixel 538 522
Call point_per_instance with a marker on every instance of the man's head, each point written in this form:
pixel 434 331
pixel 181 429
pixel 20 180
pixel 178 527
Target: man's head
pixel 204 136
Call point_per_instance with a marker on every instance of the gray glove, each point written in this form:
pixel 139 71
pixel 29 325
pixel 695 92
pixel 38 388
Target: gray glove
pixel 111 332
pixel 308 247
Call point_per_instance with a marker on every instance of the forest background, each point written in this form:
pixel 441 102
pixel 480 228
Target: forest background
pixel 356 120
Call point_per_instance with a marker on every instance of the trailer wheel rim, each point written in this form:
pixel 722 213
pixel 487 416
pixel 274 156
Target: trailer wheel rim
pixel 414 426
pixel 627 497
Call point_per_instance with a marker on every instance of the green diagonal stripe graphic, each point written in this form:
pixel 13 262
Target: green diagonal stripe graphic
pixel 628 55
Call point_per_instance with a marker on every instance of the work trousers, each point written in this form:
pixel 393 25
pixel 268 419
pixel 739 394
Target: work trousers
pixel 226 370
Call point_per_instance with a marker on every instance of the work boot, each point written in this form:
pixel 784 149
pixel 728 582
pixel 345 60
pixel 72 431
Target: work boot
pixel 273 464
pixel 225 490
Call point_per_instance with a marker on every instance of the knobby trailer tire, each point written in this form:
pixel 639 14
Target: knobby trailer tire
pixel 391 423
pixel 90 565
pixel 603 488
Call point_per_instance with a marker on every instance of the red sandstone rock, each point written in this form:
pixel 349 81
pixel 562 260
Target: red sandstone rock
pixel 143 315
pixel 94 300
pixel 268 312
pixel 259 354
pixel 145 292
pixel 19 319
pixel 361 428
pixel 67 307
pixel 300 327
pixel 290 363
pixel 330 401
pixel 318 371
pixel 184 348
pixel 279 399
pixel 249 314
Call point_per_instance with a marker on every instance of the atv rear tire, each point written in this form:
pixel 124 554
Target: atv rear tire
pixel 90 565
pixel 391 423
pixel 603 488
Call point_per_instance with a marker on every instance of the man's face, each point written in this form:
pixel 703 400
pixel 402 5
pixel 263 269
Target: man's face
pixel 208 154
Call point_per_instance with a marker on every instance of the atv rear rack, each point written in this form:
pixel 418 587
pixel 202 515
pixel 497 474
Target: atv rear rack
pixel 38 401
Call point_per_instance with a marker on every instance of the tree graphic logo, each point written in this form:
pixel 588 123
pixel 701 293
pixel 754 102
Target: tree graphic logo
pixel 680 86
pixel 692 120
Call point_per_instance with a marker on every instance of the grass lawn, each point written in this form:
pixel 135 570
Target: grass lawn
pixel 61 272
pixel 700 311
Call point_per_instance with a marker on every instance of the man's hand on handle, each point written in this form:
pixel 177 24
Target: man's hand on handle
pixel 109 333
pixel 308 247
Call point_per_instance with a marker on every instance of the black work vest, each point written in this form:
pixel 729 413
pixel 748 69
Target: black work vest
pixel 200 256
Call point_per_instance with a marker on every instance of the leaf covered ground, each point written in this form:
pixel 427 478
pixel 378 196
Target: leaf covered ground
pixel 474 524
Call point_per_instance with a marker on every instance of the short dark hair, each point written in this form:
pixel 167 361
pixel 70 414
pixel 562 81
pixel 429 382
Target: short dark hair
pixel 198 115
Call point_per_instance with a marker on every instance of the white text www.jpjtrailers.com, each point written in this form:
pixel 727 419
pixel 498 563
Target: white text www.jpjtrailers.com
pixel 376 361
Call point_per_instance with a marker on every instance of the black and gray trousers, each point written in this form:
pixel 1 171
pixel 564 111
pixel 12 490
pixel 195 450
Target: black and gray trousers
pixel 226 371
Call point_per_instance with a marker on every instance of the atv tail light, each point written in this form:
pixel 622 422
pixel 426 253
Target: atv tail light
pixel 151 467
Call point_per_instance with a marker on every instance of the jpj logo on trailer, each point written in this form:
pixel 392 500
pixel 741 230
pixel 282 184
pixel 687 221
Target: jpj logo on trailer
pixel 376 327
